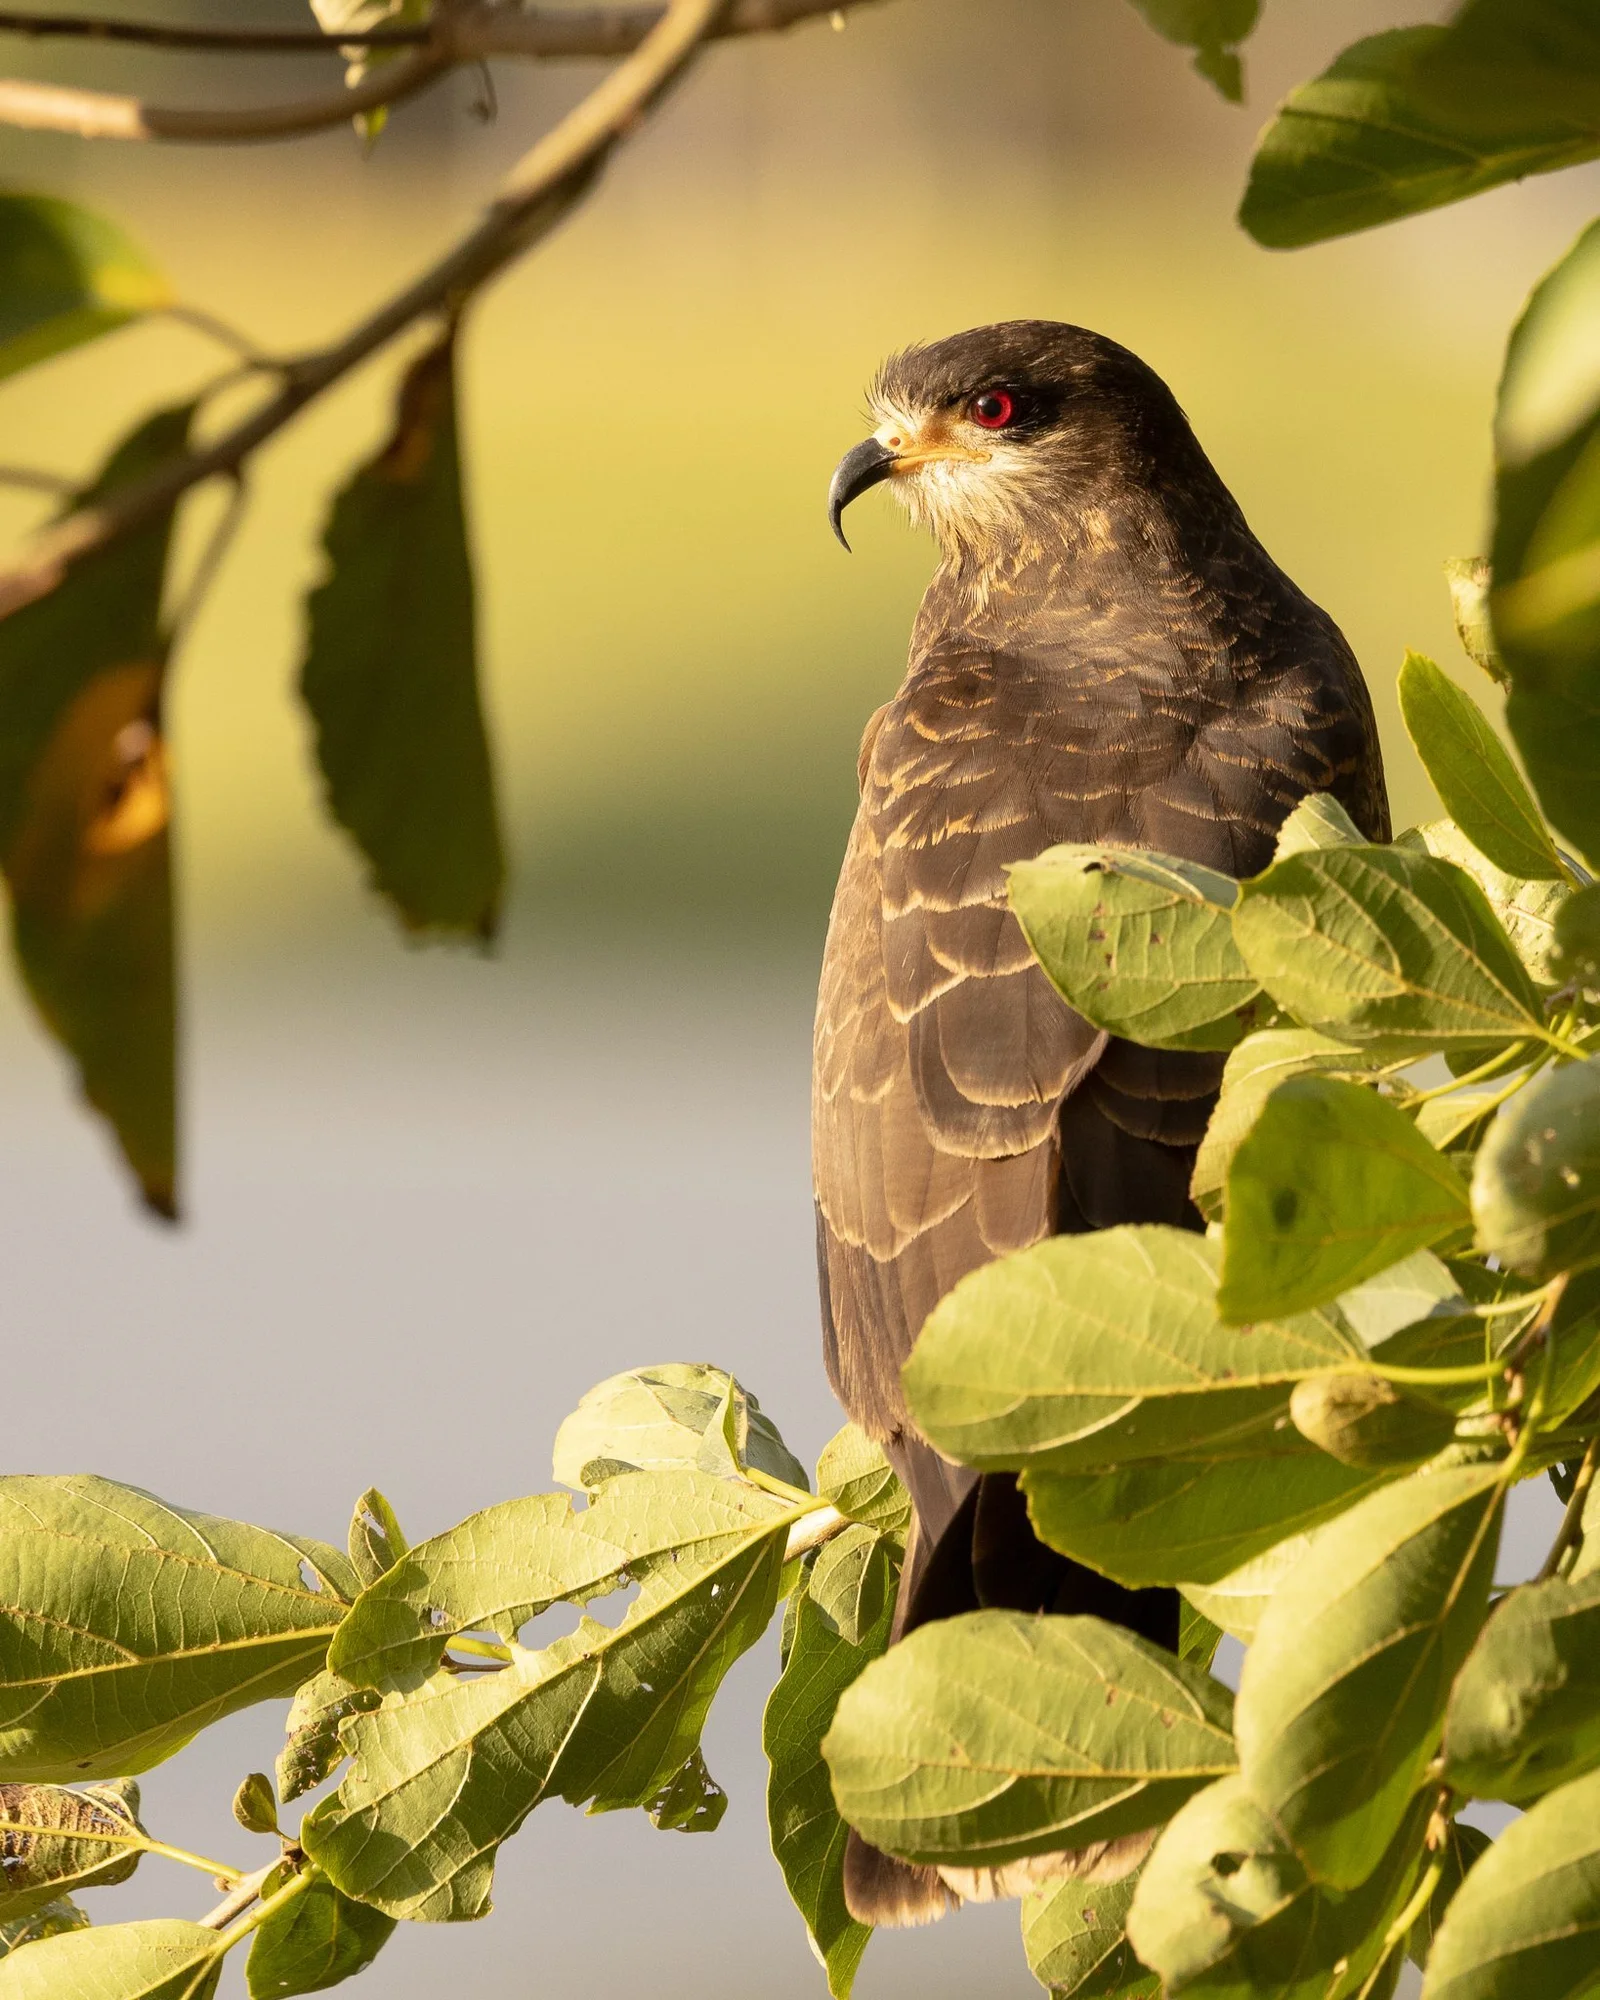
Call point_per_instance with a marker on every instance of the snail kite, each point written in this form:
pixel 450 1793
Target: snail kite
pixel 1105 653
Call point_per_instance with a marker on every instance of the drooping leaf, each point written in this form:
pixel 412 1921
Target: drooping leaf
pixel 66 276
pixel 666 1417
pixel 1331 1185
pixel 847 1582
pixel 1073 1935
pixel 1213 29
pixel 376 1540
pixel 1527 909
pixel 163 1959
pixel 1090 1351
pixel 1546 552
pixel 315 1941
pixel 1471 771
pixel 84 812
pixel 497 1569
pixel 1536 1182
pixel 691 1801
pixel 808 1836
pixel 992 1736
pixel 312 1750
pixel 1140 944
pixel 390 674
pixel 1524 1713
pixel 1416 117
pixel 1391 949
pixel 1364 1420
pixel 54 1920
pixel 54 1841
pixel 1254 1070
pixel 126 1625
pixel 449 1768
pixel 1236 1601
pixel 1462 1847
pixel 854 1476
pixel 1342 1697
pixel 1468 579
pixel 1224 1908
pixel 1526 1920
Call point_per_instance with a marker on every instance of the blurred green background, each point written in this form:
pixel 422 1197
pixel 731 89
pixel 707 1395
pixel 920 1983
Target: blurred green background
pixel 434 1197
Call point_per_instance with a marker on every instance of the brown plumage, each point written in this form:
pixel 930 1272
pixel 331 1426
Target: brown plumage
pixel 1105 653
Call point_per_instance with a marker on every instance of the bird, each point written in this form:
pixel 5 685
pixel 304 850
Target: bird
pixel 1105 653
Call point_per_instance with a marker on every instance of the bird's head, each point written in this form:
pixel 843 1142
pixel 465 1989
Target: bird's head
pixel 1005 435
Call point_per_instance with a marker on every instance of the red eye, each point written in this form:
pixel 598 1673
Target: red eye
pixel 994 409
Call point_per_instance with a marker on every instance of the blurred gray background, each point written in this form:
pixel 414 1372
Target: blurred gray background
pixel 432 1197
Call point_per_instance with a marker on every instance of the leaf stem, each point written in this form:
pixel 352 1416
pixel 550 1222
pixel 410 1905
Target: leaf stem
pixel 146 1844
pixel 1498 1061
pixel 796 1495
pixel 1421 1896
pixel 1571 1529
pixel 239 1897
pixel 481 1649
pixel 1475 1371
pixel 252 1920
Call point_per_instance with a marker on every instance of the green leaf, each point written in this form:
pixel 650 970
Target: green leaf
pixel 1342 1697
pixel 1213 29
pixel 444 1771
pixel 1139 944
pixel 127 1625
pixel 848 1581
pixel 312 1750
pixel 1536 1183
pixel 1546 553
pixel 164 1959
pixel 1468 579
pixel 1254 1070
pixel 1471 771
pixel 1419 1287
pixel 667 1418
pixel 1524 1714
pixel 84 810
pixel 53 1840
pixel 1526 1921
pixel 854 1476
pixel 1073 1936
pixel 316 1940
pixel 1463 1845
pixel 54 1920
pixel 497 1570
pixel 691 1801
pixel 390 674
pixel 1317 821
pixel 1224 1909
pixel 254 1806
pixel 1416 117
pixel 1394 950
pixel 1235 1602
pixel 1198 1637
pixel 1089 1351
pixel 66 276
pixel 1364 1420
pixel 1575 951
pixel 808 1836
pixel 989 1737
pixel 1331 1185
pixel 376 1541
pixel 1526 909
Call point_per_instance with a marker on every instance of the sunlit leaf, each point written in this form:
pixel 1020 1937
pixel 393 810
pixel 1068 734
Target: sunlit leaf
pixel 1364 1420
pixel 316 1940
pixel 1073 1936
pixel 390 675
pixel 53 1841
pixel 808 1836
pixel 1342 1697
pixel 1536 1183
pixel 1388 948
pixel 854 1476
pixel 848 1581
pixel 691 1801
pixel 376 1541
pixel 1526 1921
pixel 1471 771
pixel 1468 579
pixel 1140 944
pixel 1528 909
pixel 66 275
pixel 164 1959
pixel 312 1750
pixel 1524 1713
pixel 1213 29
pixel 127 1625
pixel 1317 821
pixel 1331 1185
pixel 84 811
pixel 1224 1908
pixel 666 1417
pixel 1236 1601
pixel 989 1737
pixel 1413 118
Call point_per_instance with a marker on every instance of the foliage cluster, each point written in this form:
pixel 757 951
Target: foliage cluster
pixel 1309 1420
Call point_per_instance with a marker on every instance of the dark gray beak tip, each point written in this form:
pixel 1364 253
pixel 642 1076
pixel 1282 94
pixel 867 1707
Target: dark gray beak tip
pixel 866 464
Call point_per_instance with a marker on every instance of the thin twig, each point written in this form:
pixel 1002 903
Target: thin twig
pixel 35 480
pixel 544 187
pixel 238 1899
pixel 215 41
pixel 1571 1529
pixel 811 1530
pixel 218 542
pixel 221 332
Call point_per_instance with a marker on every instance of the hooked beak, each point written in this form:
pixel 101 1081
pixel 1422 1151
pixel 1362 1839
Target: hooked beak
pixel 864 465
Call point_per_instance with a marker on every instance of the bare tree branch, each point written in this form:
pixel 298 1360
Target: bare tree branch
pixel 215 41
pixel 541 190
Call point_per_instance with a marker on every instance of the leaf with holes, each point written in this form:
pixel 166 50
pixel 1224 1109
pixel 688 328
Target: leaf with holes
pixel 312 1750
pixel 67 275
pixel 666 1418
pixel 391 677
pixel 376 1541
pixel 127 1625
pixel 996 1735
